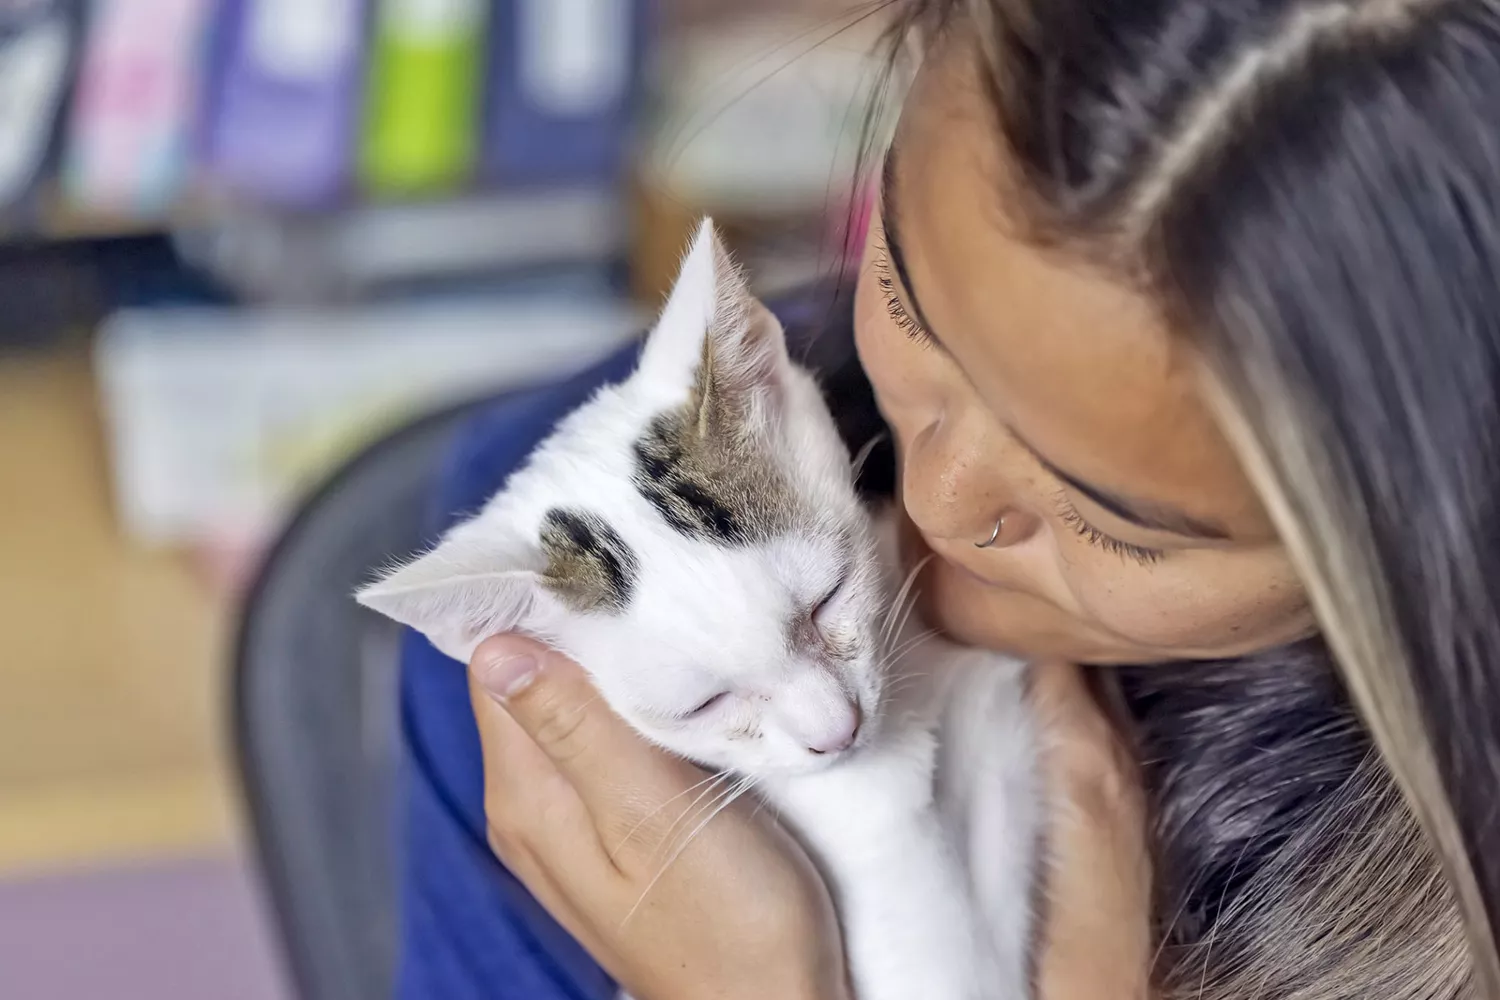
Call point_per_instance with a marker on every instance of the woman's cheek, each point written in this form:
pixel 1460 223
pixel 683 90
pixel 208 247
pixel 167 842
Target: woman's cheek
pixel 909 382
pixel 1204 600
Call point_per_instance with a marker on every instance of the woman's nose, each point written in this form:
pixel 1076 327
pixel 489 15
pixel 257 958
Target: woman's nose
pixel 951 491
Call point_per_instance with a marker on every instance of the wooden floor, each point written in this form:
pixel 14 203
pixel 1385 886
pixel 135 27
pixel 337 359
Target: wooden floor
pixel 111 659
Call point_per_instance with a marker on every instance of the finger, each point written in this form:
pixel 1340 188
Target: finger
pixel 552 699
pixel 1061 687
pixel 513 763
pixel 530 805
pixel 626 784
pixel 1075 717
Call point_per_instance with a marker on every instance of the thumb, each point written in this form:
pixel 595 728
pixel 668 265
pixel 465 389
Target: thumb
pixel 505 665
pixel 553 700
pixel 625 783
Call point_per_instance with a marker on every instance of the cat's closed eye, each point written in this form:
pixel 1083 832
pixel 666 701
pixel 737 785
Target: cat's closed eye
pixel 707 705
pixel 827 599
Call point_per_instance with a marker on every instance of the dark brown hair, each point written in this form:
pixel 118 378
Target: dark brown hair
pixel 1310 189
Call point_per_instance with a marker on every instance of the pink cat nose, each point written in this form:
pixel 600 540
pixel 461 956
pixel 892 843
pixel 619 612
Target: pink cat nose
pixel 840 732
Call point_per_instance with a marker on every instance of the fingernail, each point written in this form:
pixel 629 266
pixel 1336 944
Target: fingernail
pixel 507 675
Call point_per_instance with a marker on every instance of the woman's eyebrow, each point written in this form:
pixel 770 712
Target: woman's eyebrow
pixel 890 224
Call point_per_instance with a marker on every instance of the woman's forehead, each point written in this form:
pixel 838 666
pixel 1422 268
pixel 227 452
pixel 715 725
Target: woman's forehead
pixel 1080 367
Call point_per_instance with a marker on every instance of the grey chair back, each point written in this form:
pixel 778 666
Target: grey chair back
pixel 315 714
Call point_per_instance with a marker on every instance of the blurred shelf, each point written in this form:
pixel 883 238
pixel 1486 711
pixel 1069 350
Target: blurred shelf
pixel 48 215
pixel 343 254
pixel 344 251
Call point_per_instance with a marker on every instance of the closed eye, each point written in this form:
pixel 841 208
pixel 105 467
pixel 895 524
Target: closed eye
pixel 707 705
pixel 827 598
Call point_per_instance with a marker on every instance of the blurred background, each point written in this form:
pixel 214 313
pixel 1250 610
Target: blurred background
pixel 239 241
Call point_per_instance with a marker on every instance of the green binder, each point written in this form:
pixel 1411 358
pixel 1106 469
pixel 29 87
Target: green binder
pixel 422 127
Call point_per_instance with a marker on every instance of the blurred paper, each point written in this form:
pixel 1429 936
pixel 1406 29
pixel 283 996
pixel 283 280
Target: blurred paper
pixel 217 419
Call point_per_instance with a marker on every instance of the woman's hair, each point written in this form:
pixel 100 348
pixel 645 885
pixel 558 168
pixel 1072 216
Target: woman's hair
pixel 1310 190
pixel 1287 865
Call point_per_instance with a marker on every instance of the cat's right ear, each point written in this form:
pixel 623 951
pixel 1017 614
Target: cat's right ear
pixel 462 592
pixel 714 336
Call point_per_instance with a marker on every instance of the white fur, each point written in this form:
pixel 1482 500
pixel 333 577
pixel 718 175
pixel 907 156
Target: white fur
pixel 925 828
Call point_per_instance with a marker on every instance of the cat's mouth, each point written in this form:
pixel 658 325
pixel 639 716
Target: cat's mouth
pixel 823 762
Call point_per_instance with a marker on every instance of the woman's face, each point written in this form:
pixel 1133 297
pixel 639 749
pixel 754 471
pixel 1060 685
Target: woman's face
pixel 1021 387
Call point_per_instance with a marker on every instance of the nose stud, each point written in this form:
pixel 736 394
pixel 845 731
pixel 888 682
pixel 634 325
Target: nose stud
pixel 999 523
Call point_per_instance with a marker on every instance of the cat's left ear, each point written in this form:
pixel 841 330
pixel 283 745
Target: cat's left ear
pixel 716 334
pixel 466 589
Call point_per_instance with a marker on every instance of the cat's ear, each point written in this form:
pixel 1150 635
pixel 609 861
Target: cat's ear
pixel 714 335
pixel 463 591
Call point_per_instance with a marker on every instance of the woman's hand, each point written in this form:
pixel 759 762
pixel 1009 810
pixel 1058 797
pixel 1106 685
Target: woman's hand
pixel 1096 943
pixel 610 834
pixel 588 816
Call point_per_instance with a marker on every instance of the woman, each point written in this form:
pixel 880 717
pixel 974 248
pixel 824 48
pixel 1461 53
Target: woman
pixel 1184 317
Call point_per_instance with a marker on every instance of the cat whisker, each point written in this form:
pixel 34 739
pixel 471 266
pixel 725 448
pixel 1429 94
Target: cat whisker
pixel 857 467
pixel 725 801
pixel 894 609
pixel 760 803
pixel 716 785
pixel 891 702
pixel 894 657
pixel 883 640
pixel 900 608
pixel 890 666
pixel 903 682
pixel 893 613
pixel 739 788
pixel 630 834
pixel 911 606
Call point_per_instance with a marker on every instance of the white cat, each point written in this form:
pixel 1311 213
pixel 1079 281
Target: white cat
pixel 693 538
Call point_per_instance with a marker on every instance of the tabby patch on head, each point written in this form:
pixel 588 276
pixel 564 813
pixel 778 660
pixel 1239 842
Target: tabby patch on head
pixel 703 471
pixel 589 565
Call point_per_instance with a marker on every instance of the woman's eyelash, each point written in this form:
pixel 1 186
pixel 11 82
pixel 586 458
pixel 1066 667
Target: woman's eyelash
pixel 1095 537
pixel 904 320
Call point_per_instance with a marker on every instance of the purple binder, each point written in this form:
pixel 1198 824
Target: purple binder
pixel 565 78
pixel 282 127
